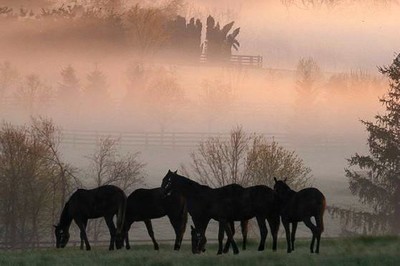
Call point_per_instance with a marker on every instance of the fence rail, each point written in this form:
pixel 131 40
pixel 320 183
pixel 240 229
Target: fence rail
pixel 254 61
pixel 151 139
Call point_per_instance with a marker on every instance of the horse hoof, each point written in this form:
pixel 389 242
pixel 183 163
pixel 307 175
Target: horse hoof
pixel 156 247
pixel 128 247
pixel 225 251
pixel 88 248
pixel 289 251
pixel 236 252
pixel 260 248
pixel 219 252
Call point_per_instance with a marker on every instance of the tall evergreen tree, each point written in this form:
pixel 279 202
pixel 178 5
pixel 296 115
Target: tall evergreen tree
pixel 375 178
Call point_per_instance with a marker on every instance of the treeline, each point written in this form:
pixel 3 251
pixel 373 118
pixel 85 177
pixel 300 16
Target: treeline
pixel 110 26
pixel 155 93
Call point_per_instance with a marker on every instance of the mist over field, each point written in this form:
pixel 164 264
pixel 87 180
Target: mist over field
pixel 147 88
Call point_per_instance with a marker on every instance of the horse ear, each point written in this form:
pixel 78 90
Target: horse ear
pixel 55 226
pixel 176 172
pixel 285 180
pixel 275 179
pixel 191 227
pixel 169 171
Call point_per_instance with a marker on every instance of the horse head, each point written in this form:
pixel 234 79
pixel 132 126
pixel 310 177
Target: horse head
pixel 282 189
pixel 198 242
pixel 168 182
pixel 62 236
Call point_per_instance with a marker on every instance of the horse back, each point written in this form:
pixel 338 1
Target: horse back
pixel 151 203
pixel 95 203
pixel 305 203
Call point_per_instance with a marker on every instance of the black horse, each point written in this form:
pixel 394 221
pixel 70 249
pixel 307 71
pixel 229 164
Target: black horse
pixel 301 206
pixel 146 204
pixel 264 204
pixel 104 201
pixel 225 204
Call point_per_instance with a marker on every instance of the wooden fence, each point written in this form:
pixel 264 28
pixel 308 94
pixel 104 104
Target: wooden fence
pixel 152 139
pixel 253 61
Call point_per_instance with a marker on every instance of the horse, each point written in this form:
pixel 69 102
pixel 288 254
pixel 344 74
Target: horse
pixel 146 204
pixel 266 208
pixel 224 204
pixel 301 206
pixel 104 201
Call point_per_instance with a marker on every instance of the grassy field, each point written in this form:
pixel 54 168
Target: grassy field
pixel 349 251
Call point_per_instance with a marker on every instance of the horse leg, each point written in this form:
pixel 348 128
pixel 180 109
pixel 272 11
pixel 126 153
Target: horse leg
pixel 319 221
pixel 127 227
pixel 314 230
pixel 293 236
pixel 263 232
pixel 149 227
pixel 244 228
pixel 274 222
pixel 286 225
pixel 112 229
pixel 82 228
pixel 201 226
pixel 230 237
pixel 179 225
pixel 228 244
pixel 81 235
pixel 221 232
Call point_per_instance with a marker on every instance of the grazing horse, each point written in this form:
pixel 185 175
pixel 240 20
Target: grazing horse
pixel 301 206
pixel 224 204
pixel 105 201
pixel 146 204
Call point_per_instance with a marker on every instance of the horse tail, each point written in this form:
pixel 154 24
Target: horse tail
pixel 323 207
pixel 121 214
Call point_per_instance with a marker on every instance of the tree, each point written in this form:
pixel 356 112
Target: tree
pixel 96 93
pixel 108 166
pixel 163 97
pixel 69 90
pixel 268 159
pixel 30 187
pixel 33 95
pixel 145 28
pixel 375 178
pixel 216 98
pixel 245 159
pixel 8 78
pixel 308 77
pixel 37 4
pixel 219 43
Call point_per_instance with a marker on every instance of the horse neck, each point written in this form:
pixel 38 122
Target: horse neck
pixel 66 218
pixel 189 187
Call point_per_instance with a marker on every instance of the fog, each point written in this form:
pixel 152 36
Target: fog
pixel 348 42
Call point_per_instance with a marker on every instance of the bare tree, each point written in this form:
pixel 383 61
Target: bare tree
pixel 8 79
pixel 164 97
pixel 245 159
pixel 108 166
pixel 33 95
pixel 268 159
pixel 145 27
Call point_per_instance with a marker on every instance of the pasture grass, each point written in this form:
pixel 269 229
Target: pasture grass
pixel 334 251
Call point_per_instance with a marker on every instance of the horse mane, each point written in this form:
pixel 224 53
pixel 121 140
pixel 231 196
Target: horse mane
pixel 65 218
pixel 192 183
